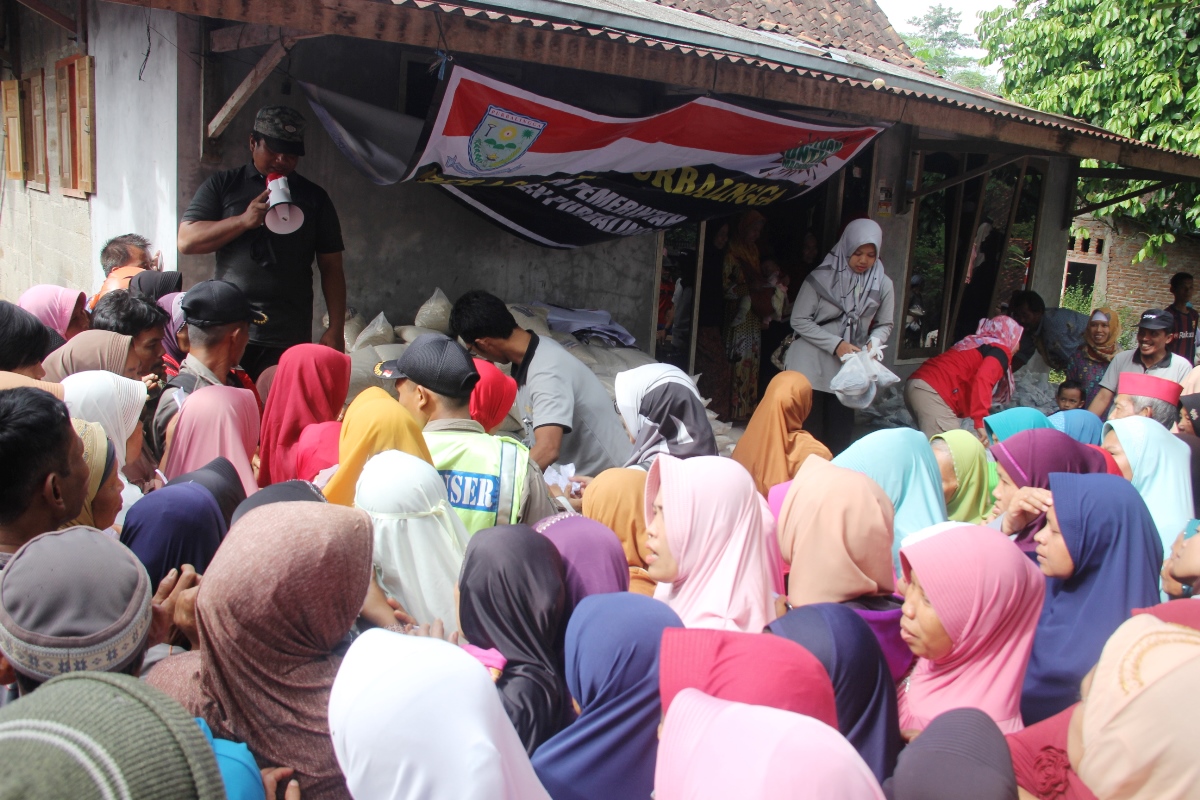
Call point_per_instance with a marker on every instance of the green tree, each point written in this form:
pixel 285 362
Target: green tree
pixel 939 42
pixel 1130 66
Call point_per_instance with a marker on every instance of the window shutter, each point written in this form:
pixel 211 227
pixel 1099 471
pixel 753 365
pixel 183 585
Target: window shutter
pixel 85 100
pixel 37 104
pixel 62 86
pixel 14 151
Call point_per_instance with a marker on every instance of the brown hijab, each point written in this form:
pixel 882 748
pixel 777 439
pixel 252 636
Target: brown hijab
pixel 13 380
pixel 775 443
pixel 90 350
pixel 281 593
pixel 617 500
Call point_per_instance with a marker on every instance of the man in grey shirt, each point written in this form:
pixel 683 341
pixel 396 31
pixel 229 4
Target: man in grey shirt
pixel 568 416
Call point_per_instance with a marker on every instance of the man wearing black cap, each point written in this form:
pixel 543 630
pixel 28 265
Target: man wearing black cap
pixel 1150 357
pixel 490 480
pixel 274 270
pixel 219 320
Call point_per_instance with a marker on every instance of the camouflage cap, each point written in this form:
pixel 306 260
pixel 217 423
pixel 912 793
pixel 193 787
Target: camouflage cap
pixel 283 128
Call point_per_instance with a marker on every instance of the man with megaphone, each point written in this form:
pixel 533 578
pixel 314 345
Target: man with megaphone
pixel 266 224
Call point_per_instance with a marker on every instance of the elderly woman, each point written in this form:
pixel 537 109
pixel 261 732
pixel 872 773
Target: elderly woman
pixel 844 302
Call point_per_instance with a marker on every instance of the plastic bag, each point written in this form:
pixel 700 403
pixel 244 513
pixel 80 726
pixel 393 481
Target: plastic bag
pixel 408 333
pixel 435 313
pixel 378 332
pixel 354 325
pixel 861 376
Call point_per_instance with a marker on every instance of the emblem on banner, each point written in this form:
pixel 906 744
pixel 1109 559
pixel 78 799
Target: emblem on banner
pixel 501 138
pixel 804 157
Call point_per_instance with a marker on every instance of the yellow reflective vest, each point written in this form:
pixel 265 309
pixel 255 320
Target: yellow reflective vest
pixel 484 474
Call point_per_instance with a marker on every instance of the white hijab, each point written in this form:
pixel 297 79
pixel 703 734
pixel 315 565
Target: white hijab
pixel 109 399
pixel 414 718
pixel 419 539
pixel 1162 472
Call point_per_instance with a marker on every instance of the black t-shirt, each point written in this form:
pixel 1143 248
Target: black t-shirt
pixel 274 270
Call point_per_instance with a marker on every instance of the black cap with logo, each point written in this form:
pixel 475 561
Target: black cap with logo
pixel 1155 319
pixel 436 362
pixel 212 303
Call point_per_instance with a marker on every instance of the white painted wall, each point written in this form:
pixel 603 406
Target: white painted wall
pixel 136 136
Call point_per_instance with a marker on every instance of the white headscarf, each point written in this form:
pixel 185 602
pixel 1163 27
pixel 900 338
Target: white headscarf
pixel 414 718
pixel 419 539
pixel 109 399
pixel 1162 472
pixel 857 294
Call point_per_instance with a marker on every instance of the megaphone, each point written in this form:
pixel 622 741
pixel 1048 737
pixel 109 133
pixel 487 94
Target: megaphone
pixel 283 216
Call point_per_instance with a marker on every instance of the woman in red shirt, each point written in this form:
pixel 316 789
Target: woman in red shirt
pixel 960 383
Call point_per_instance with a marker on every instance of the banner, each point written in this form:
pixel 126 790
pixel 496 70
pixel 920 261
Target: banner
pixel 564 177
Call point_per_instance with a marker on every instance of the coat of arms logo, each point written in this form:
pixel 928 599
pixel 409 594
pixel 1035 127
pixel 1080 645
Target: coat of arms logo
pixel 501 138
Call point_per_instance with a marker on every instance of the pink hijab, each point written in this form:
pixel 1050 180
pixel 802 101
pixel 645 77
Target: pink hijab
pixel 53 305
pixel 999 331
pixel 714 749
pixel 988 596
pixel 721 534
pixel 216 421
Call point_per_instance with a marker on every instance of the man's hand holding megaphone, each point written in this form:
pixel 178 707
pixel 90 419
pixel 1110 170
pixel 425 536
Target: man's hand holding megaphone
pixel 256 212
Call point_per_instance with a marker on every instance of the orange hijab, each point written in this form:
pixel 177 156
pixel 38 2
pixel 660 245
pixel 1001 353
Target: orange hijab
pixel 775 443
pixel 617 500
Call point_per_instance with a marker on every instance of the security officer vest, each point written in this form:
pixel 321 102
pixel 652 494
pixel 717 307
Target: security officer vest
pixel 484 475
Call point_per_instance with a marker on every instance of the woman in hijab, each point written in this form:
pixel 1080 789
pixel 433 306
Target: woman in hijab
pixel 374 422
pixel 1189 414
pixel 1080 424
pixel 222 481
pixel 970 611
pixel 863 689
pixel 1193 443
pixel 616 499
pixel 262 678
pixel 593 560
pixel 175 337
pixel 156 285
pixel 455 743
pixel 1028 459
pixel 93 350
pixel 742 281
pixel 215 421
pixel 961 754
pixel 114 402
pixel 1160 467
pixel 173 526
pixel 612 672
pixel 103 500
pixel 286 492
pixel 513 598
pixel 775 443
pixel 1089 363
pixel 708 530
pixel 962 382
pixel 1101 554
pixel 310 388
pixel 317 452
pixel 663 413
pixel 843 303
pixel 779 755
pixel 419 540
pixel 902 463
pixel 966 481
pixel 60 309
pixel 1001 426
pixel 493 396
pixel 745 668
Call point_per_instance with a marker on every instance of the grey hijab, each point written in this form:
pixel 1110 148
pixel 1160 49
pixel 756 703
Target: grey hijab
pixel 856 295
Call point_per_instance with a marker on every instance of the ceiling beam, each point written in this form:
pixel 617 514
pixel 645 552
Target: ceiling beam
pixel 249 85
pixel 240 37
pixel 974 146
pixel 613 54
pixel 995 163
pixel 1088 209
pixel 57 17
pixel 1120 174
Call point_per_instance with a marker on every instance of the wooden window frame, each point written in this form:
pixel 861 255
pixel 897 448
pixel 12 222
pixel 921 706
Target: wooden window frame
pixel 37 164
pixel 75 103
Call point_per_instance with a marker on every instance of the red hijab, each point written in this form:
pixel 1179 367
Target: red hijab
pixel 493 396
pixel 310 387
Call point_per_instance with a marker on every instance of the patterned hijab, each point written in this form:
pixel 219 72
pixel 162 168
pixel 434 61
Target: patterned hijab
pixel 663 412
pixel 1103 353
pixel 1003 332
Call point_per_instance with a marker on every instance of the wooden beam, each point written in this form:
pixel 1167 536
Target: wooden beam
pixel 57 17
pixel 1117 173
pixel 974 146
pixel 241 95
pixel 995 163
pixel 1088 209
pixel 613 54
pixel 240 37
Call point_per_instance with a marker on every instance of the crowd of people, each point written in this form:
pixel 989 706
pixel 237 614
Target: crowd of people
pixel 215 583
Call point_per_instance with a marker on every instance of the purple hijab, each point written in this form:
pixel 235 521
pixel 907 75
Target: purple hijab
pixel 592 556
pixel 1030 456
pixel 172 304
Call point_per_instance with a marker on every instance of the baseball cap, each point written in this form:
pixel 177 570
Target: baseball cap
pixel 1156 319
pixel 435 361
pixel 283 128
pixel 1136 384
pixel 212 303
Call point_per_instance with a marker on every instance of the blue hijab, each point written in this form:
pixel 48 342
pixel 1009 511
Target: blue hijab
pixel 862 683
pixel 1080 424
pixel 901 461
pixel 173 526
pixel 612 672
pixel 1117 554
pixel 1015 420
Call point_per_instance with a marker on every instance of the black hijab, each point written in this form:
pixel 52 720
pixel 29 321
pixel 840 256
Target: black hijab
pixel 294 491
pixel 156 284
pixel 1193 444
pixel 221 479
pixel 513 598
pixel 961 753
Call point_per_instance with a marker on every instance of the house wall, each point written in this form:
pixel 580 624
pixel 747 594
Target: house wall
pixel 1122 283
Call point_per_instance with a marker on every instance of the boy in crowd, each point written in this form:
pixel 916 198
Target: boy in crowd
pixel 1069 395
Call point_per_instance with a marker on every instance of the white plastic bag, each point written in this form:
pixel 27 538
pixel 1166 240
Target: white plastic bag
pixel 861 376
pixel 434 313
pixel 378 332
